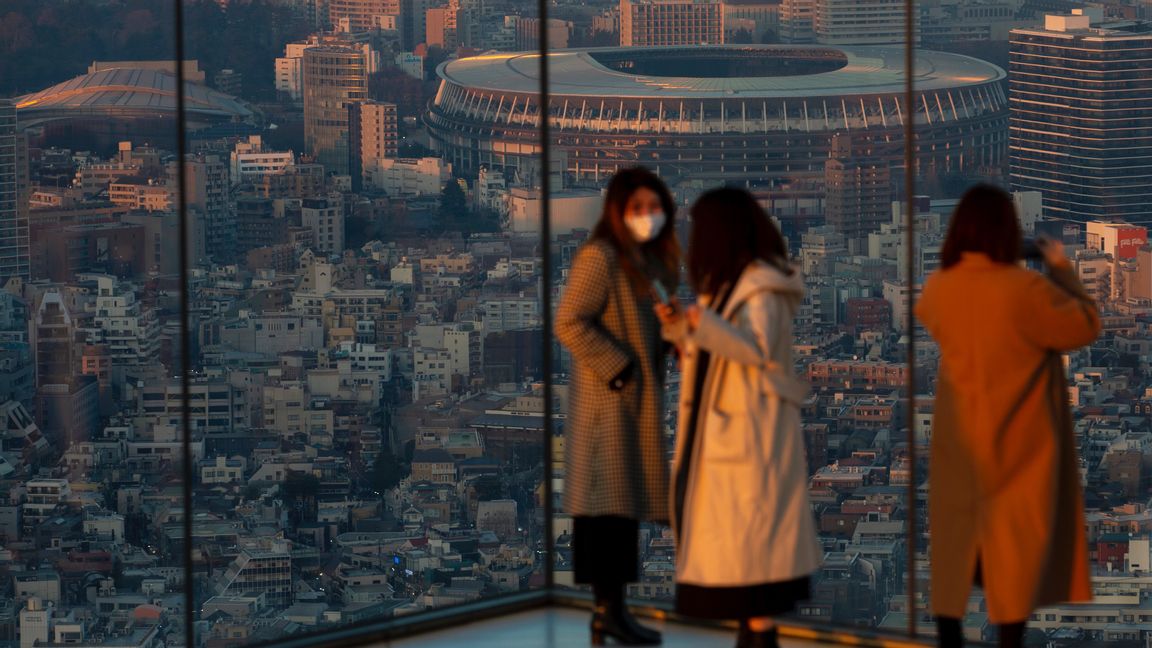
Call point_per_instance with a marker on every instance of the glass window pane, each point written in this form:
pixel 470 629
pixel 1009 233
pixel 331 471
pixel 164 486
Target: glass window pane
pixel 91 471
pixel 367 327
pixel 802 104
pixel 1070 147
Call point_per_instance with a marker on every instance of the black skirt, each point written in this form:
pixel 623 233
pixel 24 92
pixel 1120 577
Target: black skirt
pixel 604 550
pixel 765 599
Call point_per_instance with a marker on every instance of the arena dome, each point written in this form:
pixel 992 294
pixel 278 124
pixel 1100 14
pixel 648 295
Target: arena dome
pixel 757 114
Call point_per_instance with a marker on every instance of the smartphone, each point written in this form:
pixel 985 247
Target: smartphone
pixel 661 292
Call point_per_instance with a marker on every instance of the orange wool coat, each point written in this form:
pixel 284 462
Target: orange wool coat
pixel 1004 474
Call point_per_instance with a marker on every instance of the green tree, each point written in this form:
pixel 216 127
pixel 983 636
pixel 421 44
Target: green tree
pixel 453 203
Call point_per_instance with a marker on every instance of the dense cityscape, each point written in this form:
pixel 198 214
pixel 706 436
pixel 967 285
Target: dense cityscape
pixel 364 288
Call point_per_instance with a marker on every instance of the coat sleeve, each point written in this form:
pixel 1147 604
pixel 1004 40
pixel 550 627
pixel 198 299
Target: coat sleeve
pixel 578 325
pixel 1059 315
pixel 748 347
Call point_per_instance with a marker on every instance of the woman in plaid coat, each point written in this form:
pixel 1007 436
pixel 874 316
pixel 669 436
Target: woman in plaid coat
pixel 615 456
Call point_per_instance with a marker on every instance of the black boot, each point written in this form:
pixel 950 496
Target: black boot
pixel 748 638
pixel 949 632
pixel 1012 635
pixel 610 622
pixel 612 619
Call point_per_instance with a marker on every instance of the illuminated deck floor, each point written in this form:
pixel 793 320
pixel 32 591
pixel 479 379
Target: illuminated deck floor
pixel 562 628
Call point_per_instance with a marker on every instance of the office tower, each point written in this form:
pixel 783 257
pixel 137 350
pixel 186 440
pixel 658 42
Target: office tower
pixel 14 252
pixel 373 134
pixel 210 209
pixel 859 22
pixel 1081 126
pixel 646 23
pixel 412 22
pixel 360 15
pixel 859 193
pixel 797 18
pixel 335 76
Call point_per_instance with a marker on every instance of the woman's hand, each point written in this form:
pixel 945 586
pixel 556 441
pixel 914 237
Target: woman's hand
pixel 692 314
pixel 670 313
pixel 1053 253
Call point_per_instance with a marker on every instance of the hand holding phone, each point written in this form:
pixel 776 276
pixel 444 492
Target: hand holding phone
pixel 660 292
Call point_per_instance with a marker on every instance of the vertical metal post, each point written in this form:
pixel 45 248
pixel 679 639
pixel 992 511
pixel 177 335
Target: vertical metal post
pixel 910 323
pixel 546 289
pixel 185 333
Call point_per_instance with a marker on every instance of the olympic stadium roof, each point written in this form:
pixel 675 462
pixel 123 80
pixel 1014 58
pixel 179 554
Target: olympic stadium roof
pixel 849 71
pixel 127 91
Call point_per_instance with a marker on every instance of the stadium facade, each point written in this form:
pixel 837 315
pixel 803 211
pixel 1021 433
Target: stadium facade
pixel 759 115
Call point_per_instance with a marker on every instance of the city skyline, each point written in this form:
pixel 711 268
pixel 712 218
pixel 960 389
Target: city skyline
pixel 360 205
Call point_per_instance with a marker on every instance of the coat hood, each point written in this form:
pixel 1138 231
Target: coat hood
pixel 761 277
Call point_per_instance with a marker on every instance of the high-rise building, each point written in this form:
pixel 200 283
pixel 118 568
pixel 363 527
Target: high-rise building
pixel 213 220
pixel 859 22
pixel 797 18
pixel 14 252
pixel 360 15
pixel 645 23
pixel 1080 130
pixel 859 193
pixel 290 70
pixel 412 21
pixel 373 134
pixel 335 76
pixel 55 341
pixel 440 27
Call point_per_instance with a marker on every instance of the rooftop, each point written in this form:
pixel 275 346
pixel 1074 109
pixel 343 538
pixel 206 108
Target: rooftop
pixel 127 91
pixel 813 71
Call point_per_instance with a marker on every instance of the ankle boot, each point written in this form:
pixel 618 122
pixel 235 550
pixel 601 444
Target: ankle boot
pixel 748 638
pixel 615 622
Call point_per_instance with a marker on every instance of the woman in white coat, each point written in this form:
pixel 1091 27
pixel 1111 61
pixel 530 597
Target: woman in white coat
pixel 746 537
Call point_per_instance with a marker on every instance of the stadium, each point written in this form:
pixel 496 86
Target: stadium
pixel 759 115
pixel 102 107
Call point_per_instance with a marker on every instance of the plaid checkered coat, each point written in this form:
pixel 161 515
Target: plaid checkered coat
pixel 615 456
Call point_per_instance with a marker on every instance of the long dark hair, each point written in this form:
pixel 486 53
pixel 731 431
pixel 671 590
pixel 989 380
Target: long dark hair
pixel 729 231
pixel 984 221
pixel 611 228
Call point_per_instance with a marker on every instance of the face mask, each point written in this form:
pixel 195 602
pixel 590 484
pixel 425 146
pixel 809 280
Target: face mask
pixel 647 227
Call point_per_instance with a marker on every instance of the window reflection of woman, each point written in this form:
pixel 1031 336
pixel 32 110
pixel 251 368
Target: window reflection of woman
pixel 615 456
pixel 746 540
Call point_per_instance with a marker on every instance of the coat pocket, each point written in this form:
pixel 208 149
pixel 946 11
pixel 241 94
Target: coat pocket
pixel 727 437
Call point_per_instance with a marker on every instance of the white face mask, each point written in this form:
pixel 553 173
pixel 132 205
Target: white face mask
pixel 647 227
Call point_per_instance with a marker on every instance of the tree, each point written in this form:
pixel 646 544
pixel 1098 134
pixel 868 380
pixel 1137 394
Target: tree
pixel 741 37
pixel 393 85
pixel 387 472
pixel 453 203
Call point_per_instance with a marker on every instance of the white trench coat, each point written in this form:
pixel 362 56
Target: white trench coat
pixel 747 519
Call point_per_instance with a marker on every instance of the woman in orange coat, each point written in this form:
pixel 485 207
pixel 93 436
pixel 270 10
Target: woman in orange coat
pixel 1005 507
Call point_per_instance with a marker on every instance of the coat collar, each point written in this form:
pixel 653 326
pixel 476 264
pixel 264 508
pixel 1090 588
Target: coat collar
pixel 760 276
